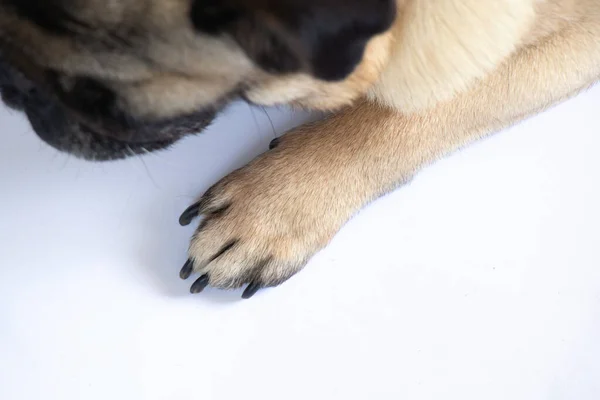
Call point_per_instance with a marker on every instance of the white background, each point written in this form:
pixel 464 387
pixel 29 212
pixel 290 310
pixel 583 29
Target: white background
pixel 479 280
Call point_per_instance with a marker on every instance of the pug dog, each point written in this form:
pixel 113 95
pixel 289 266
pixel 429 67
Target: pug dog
pixel 406 82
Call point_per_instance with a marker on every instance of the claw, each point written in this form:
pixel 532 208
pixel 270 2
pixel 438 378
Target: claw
pixel 274 143
pixel 200 284
pixel 187 270
pixel 190 213
pixel 251 290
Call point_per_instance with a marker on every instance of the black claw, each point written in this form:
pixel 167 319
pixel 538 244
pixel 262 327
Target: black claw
pixel 274 143
pixel 251 290
pixel 200 284
pixel 188 215
pixel 187 270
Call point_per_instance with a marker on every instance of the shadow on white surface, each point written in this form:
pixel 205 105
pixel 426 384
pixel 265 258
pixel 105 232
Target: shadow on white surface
pixel 481 279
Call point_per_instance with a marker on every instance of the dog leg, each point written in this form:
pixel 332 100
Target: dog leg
pixel 264 222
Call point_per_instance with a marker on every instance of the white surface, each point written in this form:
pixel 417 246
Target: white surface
pixel 480 280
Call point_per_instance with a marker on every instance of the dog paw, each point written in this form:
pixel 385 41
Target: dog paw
pixel 262 223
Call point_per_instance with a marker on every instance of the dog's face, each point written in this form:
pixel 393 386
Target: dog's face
pixel 103 79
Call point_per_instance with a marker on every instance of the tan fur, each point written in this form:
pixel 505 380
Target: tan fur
pixel 443 46
pixel 447 73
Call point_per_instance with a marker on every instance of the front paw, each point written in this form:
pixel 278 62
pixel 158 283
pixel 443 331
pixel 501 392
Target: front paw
pixel 261 223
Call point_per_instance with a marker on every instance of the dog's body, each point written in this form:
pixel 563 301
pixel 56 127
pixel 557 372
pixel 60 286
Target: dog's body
pixel 431 76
